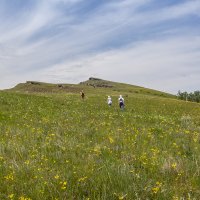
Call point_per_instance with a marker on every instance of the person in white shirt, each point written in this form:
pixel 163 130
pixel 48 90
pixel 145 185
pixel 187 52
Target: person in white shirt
pixel 121 102
pixel 109 101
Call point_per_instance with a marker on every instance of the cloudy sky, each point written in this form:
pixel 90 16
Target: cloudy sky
pixel 150 43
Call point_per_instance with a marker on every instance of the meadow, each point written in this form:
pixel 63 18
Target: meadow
pixel 57 146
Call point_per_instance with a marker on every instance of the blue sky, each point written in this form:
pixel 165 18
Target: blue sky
pixel 150 43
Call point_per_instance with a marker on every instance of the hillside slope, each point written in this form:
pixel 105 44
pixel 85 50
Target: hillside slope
pixel 54 145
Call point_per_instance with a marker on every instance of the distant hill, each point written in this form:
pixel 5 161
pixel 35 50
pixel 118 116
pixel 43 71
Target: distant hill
pixel 92 85
pixel 123 87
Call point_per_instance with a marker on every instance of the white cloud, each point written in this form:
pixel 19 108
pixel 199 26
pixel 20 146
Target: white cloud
pixel 63 1
pixel 164 65
pixel 28 23
pixel 79 45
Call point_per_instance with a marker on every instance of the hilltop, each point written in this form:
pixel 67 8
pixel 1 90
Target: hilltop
pixel 92 85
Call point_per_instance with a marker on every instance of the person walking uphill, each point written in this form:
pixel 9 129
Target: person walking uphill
pixel 82 94
pixel 121 102
pixel 109 101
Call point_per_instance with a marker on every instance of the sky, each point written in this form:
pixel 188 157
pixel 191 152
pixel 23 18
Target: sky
pixel 149 43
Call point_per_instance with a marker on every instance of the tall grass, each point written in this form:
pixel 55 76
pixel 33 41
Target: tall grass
pixel 60 147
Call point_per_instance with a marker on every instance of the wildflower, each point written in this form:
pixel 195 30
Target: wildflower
pixel 187 132
pixel 122 197
pixel 11 196
pixel 111 140
pixel 157 187
pixel 97 150
pixel 158 184
pixel 63 185
pixel 27 162
pixel 174 165
pixel 155 190
pixel 195 139
pixel 82 179
pixel 175 145
pixel 56 176
pixel 9 177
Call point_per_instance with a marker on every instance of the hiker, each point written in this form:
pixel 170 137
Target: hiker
pixel 109 101
pixel 82 94
pixel 121 102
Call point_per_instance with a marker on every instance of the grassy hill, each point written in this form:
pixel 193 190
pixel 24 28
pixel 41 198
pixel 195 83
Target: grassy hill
pixel 92 86
pixel 56 146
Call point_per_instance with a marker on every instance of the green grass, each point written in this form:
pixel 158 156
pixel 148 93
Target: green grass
pixel 56 146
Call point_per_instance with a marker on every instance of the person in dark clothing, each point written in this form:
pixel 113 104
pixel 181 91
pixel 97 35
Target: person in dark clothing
pixel 121 102
pixel 82 94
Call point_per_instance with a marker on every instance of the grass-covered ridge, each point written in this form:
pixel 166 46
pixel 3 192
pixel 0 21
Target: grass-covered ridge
pixel 92 85
pixel 56 146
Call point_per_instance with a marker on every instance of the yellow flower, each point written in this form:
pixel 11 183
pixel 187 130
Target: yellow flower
pixel 195 139
pixel 56 176
pixel 63 188
pixel 11 196
pixel 9 177
pixel 97 150
pixel 155 190
pixel 27 162
pixel 63 185
pixel 122 197
pixel 111 140
pixel 158 184
pixel 82 179
pixel 174 165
